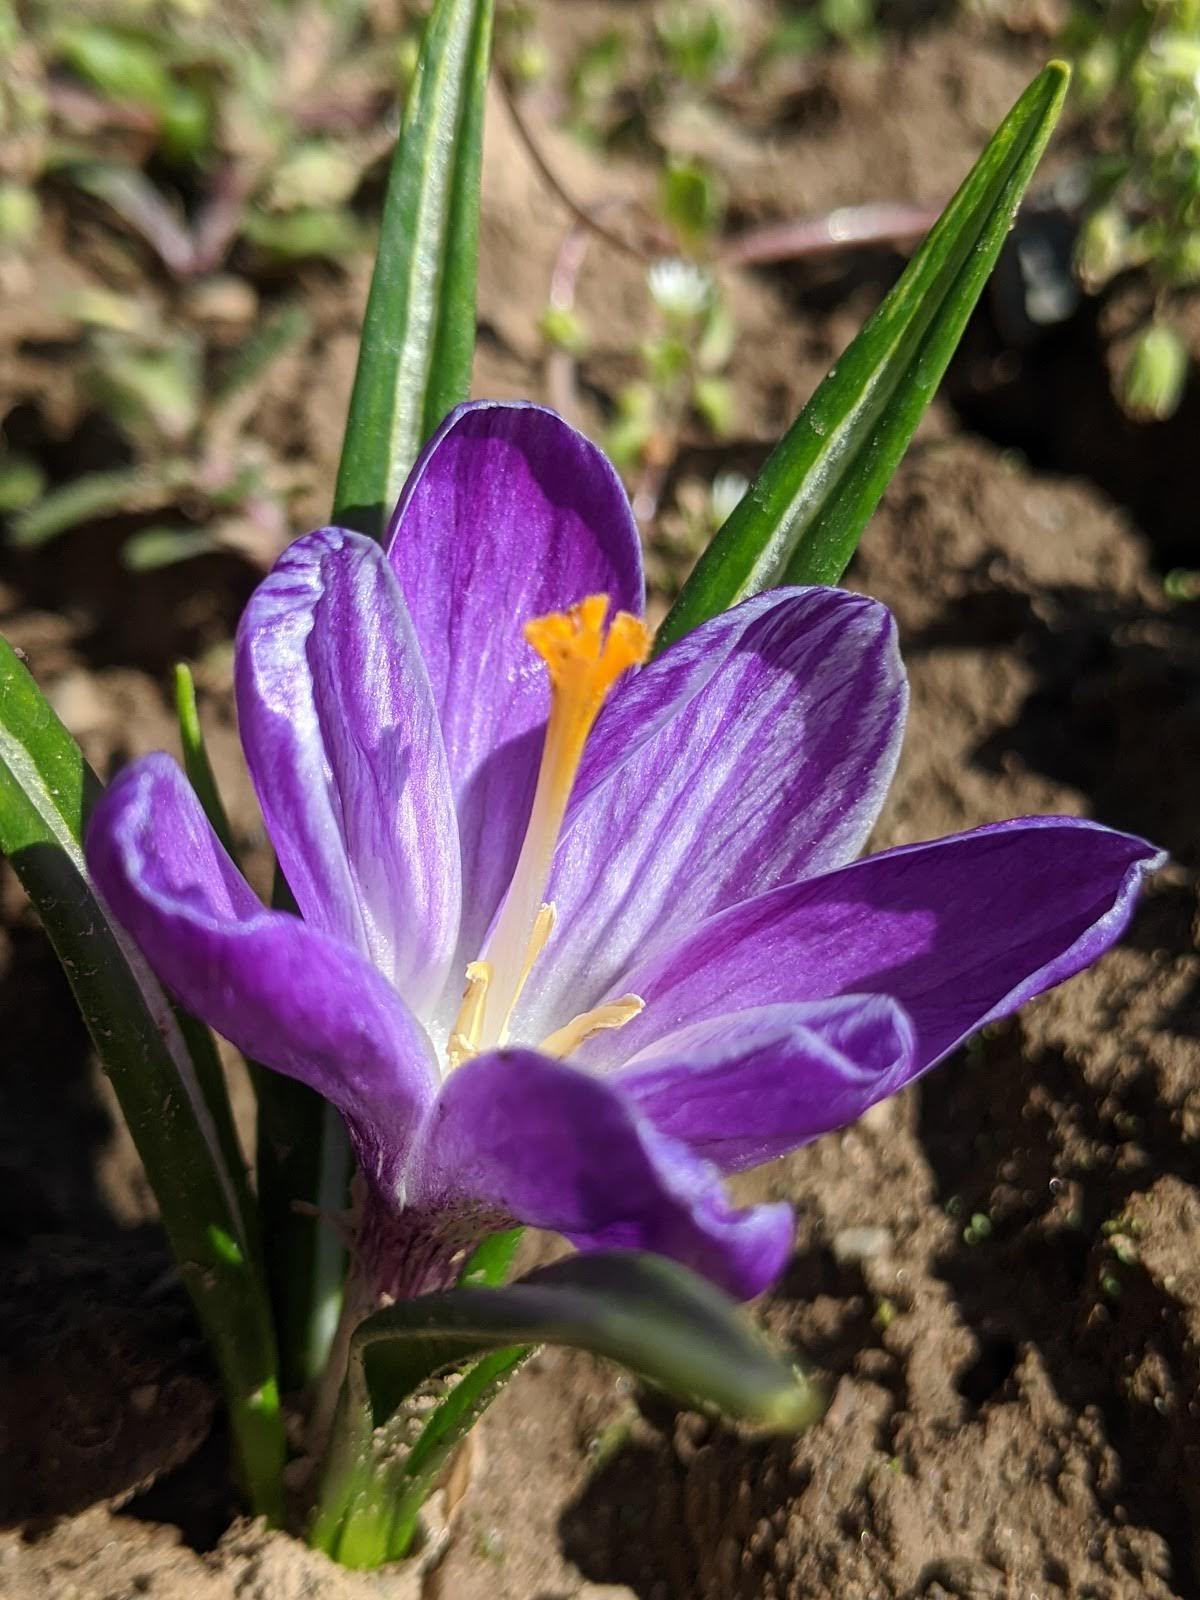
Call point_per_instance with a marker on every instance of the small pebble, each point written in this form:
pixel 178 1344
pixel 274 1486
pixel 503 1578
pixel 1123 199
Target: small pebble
pixel 860 1244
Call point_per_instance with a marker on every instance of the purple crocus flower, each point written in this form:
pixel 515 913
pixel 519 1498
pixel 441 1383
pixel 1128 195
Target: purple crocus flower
pixel 580 935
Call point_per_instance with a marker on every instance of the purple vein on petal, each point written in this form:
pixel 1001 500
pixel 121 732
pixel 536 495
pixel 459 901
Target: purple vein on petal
pixel 755 751
pixel 959 931
pixel 344 747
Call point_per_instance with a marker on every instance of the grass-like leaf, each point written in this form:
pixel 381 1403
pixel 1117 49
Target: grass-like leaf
pixel 195 756
pixel 419 331
pixel 162 1066
pixel 801 519
pixel 97 494
pixel 651 1315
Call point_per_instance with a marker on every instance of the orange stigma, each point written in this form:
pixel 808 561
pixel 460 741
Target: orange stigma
pixel 584 659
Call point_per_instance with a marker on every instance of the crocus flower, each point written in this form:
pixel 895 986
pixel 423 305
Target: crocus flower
pixel 579 935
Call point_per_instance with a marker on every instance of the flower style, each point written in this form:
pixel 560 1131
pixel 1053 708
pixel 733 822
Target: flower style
pixel 580 935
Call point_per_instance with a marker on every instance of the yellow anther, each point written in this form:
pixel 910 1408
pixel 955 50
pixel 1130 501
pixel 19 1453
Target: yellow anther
pixel 583 660
pixel 543 927
pixel 613 1014
pixel 464 1036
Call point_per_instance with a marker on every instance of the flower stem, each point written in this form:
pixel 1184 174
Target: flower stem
pixel 357 1302
pixel 303 1156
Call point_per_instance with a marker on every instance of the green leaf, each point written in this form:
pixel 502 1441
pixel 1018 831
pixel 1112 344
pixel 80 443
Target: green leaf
pixel 303 1165
pixel 122 65
pixel 651 1315
pixel 195 755
pixel 419 331
pixel 150 549
pixel 162 1066
pixel 380 1482
pixel 805 512
pixel 488 1264
pixel 98 494
pixel 332 231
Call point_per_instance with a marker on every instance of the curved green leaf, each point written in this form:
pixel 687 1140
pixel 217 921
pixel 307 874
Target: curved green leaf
pixel 803 516
pixel 419 331
pixel 651 1315
pixel 162 1066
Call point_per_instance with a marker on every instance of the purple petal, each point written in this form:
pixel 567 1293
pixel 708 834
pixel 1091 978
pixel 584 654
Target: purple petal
pixel 508 514
pixel 757 750
pixel 518 1137
pixel 343 744
pixel 742 1089
pixel 959 931
pixel 287 995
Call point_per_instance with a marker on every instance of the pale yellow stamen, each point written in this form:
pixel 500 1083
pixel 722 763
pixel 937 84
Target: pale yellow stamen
pixel 464 1036
pixel 613 1014
pixel 583 661
pixel 543 927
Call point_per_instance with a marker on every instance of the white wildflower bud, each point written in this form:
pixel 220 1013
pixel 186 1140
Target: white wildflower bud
pixel 680 288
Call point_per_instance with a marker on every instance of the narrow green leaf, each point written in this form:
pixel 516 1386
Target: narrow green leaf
pixel 173 1101
pixel 195 755
pixel 151 549
pixel 419 331
pixel 442 1434
pixel 99 494
pixel 488 1264
pixel 651 1315
pixel 303 1165
pixel 803 516
pixel 373 1493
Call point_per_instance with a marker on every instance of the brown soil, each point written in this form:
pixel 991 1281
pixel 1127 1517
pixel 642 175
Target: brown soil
pixel 1014 1412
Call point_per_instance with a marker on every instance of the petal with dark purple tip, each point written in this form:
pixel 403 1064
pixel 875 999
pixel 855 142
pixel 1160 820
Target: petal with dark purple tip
pixel 344 747
pixel 508 514
pixel 287 995
pixel 755 751
pixel 959 931
pixel 747 1087
pixel 518 1137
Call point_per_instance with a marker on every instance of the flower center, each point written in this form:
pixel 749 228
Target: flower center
pixel 584 659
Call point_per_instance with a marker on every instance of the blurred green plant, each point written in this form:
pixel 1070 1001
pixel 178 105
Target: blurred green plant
pixel 216 138
pixel 668 79
pixel 182 409
pixel 629 79
pixel 200 126
pixel 819 23
pixel 1139 74
pixel 682 380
